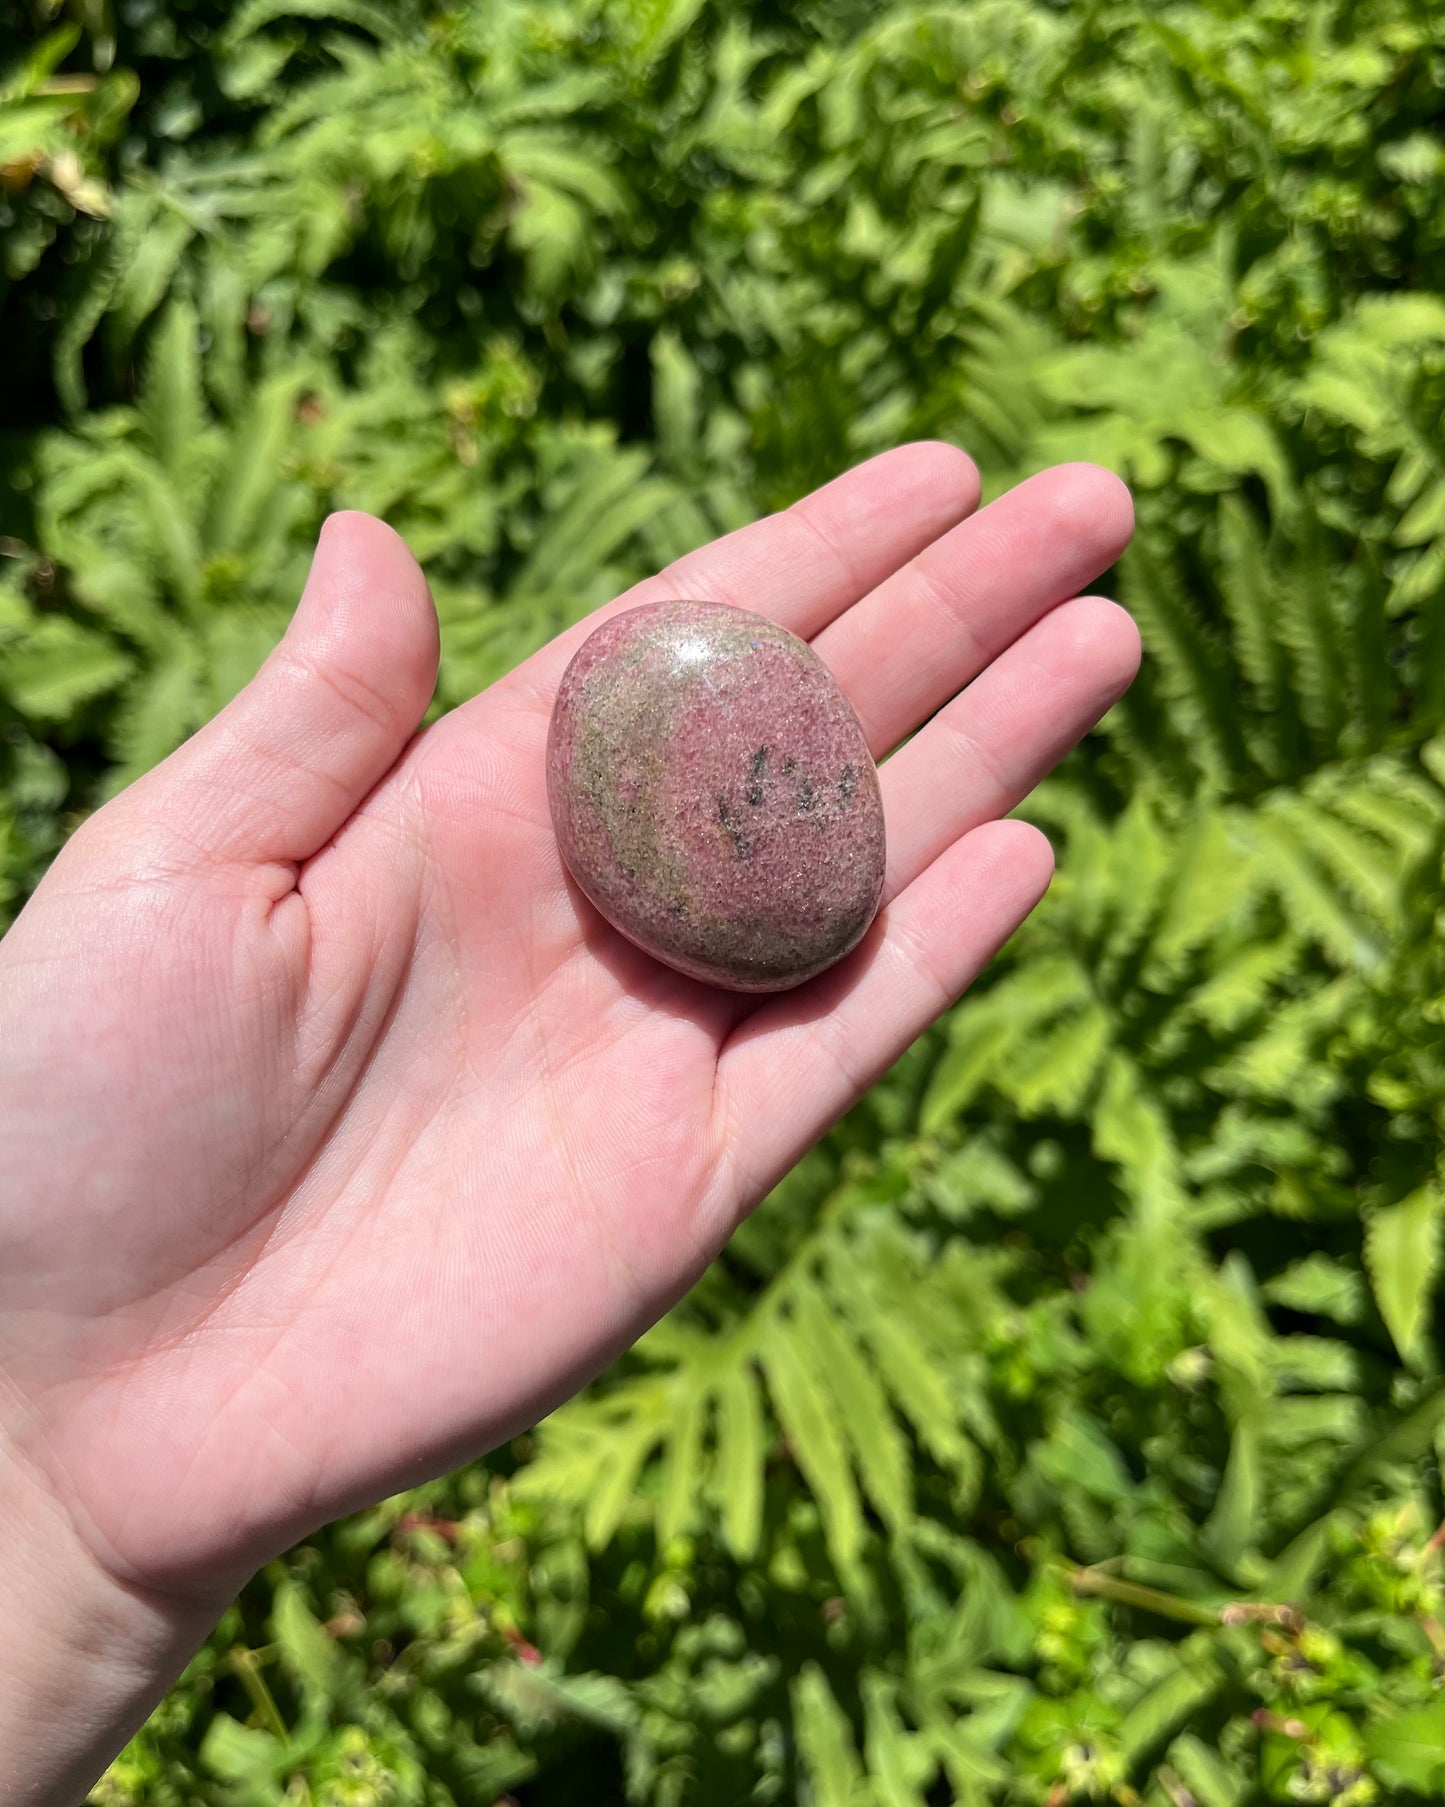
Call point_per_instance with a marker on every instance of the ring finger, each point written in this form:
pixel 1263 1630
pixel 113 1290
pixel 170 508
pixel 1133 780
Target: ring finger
pixel 933 625
pixel 982 754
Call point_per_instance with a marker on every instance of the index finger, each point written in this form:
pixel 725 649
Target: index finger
pixel 807 564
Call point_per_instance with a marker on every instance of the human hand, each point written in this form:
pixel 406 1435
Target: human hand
pixel 341 1138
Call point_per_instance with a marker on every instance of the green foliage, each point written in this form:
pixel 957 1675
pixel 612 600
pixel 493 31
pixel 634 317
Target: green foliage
pixel 53 129
pixel 1069 1426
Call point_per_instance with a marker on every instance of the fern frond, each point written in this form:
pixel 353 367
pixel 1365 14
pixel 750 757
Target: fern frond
pixel 1359 863
pixel 815 1437
pixel 1402 1257
pixel 58 666
pixel 1214 877
pixel 1311 904
pixel 152 237
pixel 248 480
pixel 1056 1067
pixel 1246 581
pixel 904 1361
pixel 1149 855
pixel 825 1742
pixel 1239 987
pixel 1308 628
pixel 172 411
pixel 681 1480
pixel 381 21
pixel 592 514
pixel 879 1451
pixel 158 712
pixel 737 1477
pixel 901 1765
pixel 1193 673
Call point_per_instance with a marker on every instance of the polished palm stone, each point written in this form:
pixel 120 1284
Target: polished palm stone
pixel 714 796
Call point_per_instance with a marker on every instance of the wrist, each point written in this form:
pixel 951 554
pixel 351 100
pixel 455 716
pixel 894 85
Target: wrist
pixel 87 1655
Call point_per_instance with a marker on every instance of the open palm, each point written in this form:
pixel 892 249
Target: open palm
pixel 341 1137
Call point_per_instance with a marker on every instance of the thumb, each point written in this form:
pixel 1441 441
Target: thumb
pixel 283 766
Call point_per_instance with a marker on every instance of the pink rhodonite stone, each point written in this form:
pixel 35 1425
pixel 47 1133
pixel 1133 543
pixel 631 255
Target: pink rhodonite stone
pixel 714 796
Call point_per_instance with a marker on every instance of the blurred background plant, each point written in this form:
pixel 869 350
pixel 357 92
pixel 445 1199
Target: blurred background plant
pixel 1069 1427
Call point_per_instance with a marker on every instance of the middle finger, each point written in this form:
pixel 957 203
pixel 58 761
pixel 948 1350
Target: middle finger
pixel 932 626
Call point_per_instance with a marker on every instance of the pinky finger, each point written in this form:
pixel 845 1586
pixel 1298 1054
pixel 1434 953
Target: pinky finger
pixel 792 1067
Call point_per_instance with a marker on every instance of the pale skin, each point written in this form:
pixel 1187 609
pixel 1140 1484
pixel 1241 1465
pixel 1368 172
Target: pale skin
pixel 340 1138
